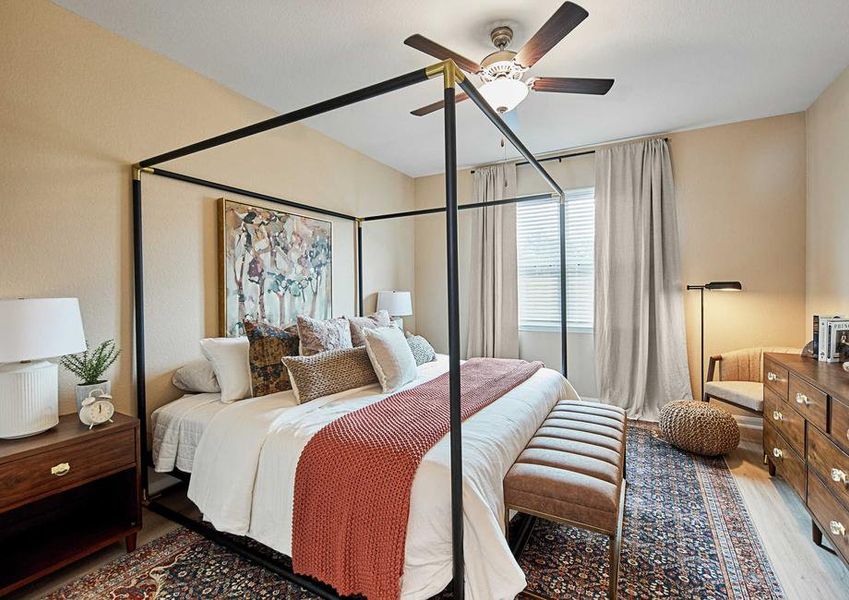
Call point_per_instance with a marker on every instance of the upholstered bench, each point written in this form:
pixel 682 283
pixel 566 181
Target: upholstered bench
pixel 572 471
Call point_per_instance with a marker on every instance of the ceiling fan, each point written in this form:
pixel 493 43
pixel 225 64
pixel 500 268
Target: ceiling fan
pixel 503 72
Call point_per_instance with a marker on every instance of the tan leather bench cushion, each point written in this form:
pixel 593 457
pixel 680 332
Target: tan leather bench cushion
pixel 572 467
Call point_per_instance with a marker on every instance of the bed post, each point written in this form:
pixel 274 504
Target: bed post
pixel 360 308
pixel 138 301
pixel 564 321
pixel 450 76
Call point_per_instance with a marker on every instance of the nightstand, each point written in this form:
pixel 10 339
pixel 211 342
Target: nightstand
pixel 66 493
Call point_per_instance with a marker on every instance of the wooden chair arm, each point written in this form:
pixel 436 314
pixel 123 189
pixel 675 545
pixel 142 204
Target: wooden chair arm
pixel 712 366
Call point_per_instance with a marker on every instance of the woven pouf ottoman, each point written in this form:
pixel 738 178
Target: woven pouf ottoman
pixel 698 427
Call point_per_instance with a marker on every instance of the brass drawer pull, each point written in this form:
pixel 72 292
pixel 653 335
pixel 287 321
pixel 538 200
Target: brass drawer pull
pixel 839 476
pixel 777 416
pixel 778 453
pixel 60 469
pixel 771 376
pixel 837 528
pixel 802 399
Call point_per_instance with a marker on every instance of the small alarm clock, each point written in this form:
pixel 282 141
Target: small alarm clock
pixel 97 410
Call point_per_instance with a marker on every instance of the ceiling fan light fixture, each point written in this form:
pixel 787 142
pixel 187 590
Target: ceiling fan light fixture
pixel 504 94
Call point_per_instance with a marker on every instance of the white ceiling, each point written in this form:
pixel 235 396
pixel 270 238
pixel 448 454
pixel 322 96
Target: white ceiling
pixel 678 64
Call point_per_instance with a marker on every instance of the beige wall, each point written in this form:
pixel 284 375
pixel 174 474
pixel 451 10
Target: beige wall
pixel 741 203
pixel 828 200
pixel 741 212
pixel 77 106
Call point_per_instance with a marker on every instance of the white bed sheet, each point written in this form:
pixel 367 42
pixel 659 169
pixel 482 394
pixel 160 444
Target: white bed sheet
pixel 245 467
pixel 178 427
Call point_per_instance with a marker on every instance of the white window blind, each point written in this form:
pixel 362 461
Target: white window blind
pixel 538 248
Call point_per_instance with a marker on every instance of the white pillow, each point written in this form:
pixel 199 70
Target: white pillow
pixel 229 359
pixel 197 377
pixel 390 356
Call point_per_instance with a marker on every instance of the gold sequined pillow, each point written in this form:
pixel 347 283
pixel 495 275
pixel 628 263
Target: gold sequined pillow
pixel 268 346
pixel 329 372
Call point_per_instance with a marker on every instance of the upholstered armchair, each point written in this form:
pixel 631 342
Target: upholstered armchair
pixel 736 377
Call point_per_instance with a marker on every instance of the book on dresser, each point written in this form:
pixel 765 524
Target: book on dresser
pixel 66 493
pixel 806 439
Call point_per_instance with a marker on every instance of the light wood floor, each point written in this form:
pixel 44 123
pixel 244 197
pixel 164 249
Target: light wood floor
pixel 805 571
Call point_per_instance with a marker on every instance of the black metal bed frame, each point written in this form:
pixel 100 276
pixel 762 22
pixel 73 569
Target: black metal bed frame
pixel 452 78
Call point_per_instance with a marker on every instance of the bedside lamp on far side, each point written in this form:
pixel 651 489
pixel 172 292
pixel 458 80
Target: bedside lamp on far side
pixel 31 331
pixel 397 304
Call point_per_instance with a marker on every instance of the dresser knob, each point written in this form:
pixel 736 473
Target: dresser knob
pixel 837 528
pixel 839 476
pixel 60 469
pixel 802 398
pixel 777 452
pixel 776 415
pixel 772 376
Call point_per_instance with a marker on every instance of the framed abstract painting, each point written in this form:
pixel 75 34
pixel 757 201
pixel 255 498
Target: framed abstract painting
pixel 275 266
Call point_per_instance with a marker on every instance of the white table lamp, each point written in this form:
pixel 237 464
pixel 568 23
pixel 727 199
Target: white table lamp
pixel 397 304
pixel 32 330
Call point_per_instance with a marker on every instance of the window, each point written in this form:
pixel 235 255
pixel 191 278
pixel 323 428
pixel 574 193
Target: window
pixel 538 248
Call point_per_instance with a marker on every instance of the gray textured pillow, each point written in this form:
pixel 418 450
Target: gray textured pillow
pixel 320 336
pixel 378 319
pixel 391 357
pixel 422 351
pixel 329 372
pixel 196 377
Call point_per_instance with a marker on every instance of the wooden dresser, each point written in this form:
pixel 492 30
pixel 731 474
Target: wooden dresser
pixel 66 493
pixel 806 439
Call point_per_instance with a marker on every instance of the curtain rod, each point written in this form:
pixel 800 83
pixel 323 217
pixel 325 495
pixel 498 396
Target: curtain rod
pixel 559 157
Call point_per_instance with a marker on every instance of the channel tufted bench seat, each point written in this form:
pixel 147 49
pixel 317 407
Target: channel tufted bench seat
pixel 572 471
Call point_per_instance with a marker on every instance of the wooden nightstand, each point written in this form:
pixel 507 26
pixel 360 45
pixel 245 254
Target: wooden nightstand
pixel 65 494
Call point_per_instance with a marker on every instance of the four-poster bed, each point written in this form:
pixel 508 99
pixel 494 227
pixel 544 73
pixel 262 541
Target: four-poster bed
pixel 452 78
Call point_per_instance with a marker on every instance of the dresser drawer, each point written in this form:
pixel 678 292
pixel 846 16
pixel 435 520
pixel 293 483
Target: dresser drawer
pixel 839 427
pixel 830 463
pixel 58 469
pixel 788 465
pixel 833 517
pixel 775 378
pixel 811 402
pixel 786 420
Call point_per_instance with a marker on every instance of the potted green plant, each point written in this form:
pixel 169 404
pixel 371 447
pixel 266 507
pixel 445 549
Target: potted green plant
pixel 89 366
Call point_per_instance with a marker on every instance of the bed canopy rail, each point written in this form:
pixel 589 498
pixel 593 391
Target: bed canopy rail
pixel 452 77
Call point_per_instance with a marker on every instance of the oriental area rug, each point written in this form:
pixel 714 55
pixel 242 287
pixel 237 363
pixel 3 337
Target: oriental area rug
pixel 687 534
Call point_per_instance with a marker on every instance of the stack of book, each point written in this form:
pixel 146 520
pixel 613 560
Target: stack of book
pixel 831 338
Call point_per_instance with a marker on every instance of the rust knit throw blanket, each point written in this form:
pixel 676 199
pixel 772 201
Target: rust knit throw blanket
pixel 354 478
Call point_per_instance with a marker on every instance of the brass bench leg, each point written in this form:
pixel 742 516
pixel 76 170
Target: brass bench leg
pixel 616 547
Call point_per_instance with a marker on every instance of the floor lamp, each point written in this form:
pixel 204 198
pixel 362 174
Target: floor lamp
pixel 726 286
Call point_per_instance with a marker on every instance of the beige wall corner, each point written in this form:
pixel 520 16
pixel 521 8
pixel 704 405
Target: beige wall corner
pixel 828 201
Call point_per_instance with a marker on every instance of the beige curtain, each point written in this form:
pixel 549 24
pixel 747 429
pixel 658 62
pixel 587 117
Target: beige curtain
pixel 493 307
pixel 640 340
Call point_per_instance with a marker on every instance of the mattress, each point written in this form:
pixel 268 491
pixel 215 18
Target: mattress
pixel 178 427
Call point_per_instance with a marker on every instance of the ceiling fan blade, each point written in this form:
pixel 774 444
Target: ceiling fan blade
pixel 426 110
pixel 572 85
pixel 563 21
pixel 421 43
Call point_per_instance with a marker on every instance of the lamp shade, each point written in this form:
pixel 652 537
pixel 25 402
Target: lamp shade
pixel 730 286
pixel 397 304
pixel 36 328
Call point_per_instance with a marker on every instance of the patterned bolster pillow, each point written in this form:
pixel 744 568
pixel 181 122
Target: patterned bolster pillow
pixel 329 372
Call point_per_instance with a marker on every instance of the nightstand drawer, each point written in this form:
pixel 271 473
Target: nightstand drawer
pixel 54 470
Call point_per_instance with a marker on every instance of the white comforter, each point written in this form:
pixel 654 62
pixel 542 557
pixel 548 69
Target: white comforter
pixel 244 476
